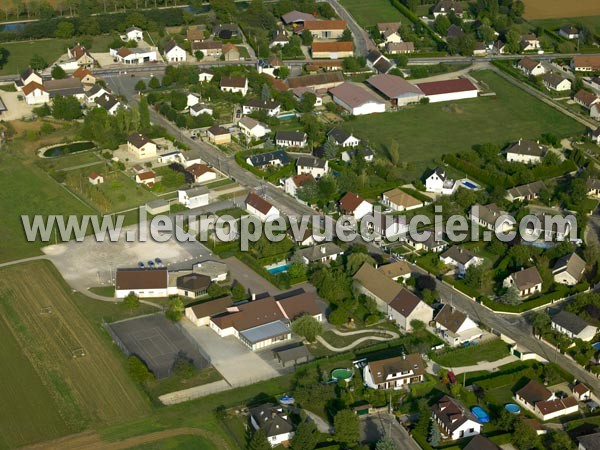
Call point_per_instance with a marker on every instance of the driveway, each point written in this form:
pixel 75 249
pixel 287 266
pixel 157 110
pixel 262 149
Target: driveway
pixel 249 278
pixel 375 426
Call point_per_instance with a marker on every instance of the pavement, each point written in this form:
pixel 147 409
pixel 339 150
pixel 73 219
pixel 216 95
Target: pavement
pixel 373 427
pixel 490 366
pixel 362 41
pixel 327 345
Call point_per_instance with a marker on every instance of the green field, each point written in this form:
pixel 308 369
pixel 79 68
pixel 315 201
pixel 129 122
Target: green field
pixel 489 351
pixel 426 132
pixel 187 442
pixel 369 13
pixel 593 22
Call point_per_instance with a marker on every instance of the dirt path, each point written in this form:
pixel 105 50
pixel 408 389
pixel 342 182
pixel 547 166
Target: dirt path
pixel 391 335
pixel 92 440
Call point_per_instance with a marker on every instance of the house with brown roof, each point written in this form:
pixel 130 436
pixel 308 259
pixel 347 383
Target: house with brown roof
pixel 28 76
pixel 398 48
pixel 234 84
pixel 192 285
pixel 455 327
pixel 398 200
pixel 581 392
pixel 488 216
pixel 218 135
pixel 354 205
pixel 126 55
pixel 395 373
pixel 200 313
pixel 526 152
pixel 526 281
pixel 389 32
pixel 231 52
pixel 141 146
pixel 325 29
pixel 593 186
pixel 299 304
pixel 86 77
pixel 569 269
pixel 589 442
pixel 544 403
pixel 260 208
pixel 144 283
pixel 196 34
pixel 296 17
pixel 557 83
pixel 35 94
pixel 274 421
pixel 80 57
pixel 480 442
pixel 316 81
pixel 455 421
pixel 332 49
pixel 406 307
pixel 524 192
pixel 356 100
pixel 449 90
pixel 209 49
pixel 323 253
pixel 586 99
pixel 585 63
pixel 147 177
pixel 396 270
pixel 445 7
pixel 95 178
pixel 201 173
pixel 529 42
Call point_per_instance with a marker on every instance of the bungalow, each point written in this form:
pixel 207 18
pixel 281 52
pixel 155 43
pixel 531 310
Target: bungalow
pixel 396 270
pixel 322 253
pixel 147 177
pixel 126 55
pixel 291 184
pixel 218 135
pixel 569 32
pixel 586 99
pixel 343 138
pixel 290 139
pixel 108 102
pixel 94 92
pixel 449 90
pixel 554 82
pixel 141 146
pixel 356 100
pixel 527 152
pixel 133 34
pixel 143 283
pixel 192 285
pixel 261 208
pixel 530 67
pixel 325 29
pixel 526 281
pixel 406 307
pixel 573 326
pixel 314 166
pixel 332 50
pixel 488 216
pixel 264 160
pixel 274 422
pixel 455 421
pixel 499 47
pixel 253 129
pixel 174 53
pixel 439 183
pixel 205 75
pixel 296 17
pixel 374 284
pixel 399 91
pixel 270 107
pixel 444 7
pixel 398 200
pixel 201 173
pixel 28 76
pixel 379 62
pixel 279 38
pixel 395 48
pixel 585 63
pixel 388 32
pixel 569 269
pixel 529 42
pixel 429 240
pixel 231 52
pixel 455 327
pixel 460 258
pixel 95 178
pixel 234 84
pixel 581 392
pixel 199 109
pixel 35 94
pixel 209 49
pixel 544 403
pixel 354 205
pixel 194 197
pixel 525 192
pixel 84 76
pixel 395 373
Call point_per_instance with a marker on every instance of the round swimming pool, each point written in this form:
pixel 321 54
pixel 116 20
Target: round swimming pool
pixel 513 408
pixel 480 413
pixel 341 374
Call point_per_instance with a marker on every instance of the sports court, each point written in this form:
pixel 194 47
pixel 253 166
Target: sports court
pixel 157 341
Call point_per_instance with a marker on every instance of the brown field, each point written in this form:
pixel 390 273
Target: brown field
pixel 550 9
pixel 38 310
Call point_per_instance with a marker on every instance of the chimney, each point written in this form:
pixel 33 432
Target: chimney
pixel 253 296
pixel 323 249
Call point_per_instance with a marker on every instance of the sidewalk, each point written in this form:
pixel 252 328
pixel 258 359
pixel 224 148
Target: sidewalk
pixel 492 366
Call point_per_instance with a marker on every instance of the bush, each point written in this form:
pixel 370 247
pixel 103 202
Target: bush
pixel 138 370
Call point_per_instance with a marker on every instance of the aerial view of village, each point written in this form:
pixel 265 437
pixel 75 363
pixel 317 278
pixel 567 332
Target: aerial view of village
pixel 300 224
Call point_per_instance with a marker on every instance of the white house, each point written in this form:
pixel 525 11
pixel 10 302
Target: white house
pixel 28 76
pixel 270 107
pixel 407 307
pixel 234 85
pixel 398 200
pixel 350 154
pixel 35 94
pixel 274 421
pixel 526 152
pixel 322 253
pixel 543 403
pixel 460 258
pixel 141 146
pixel 343 138
pixel 133 34
pixel 352 204
pixel 291 184
pixel 573 326
pixel 526 281
pixel 205 75
pixel 108 102
pixel 126 55
pixel 439 183
pixel 395 373
pixel 488 216
pixel 556 82
pixel 529 42
pixel 290 139
pixel 174 53
pixel 95 178
pixel 569 269
pixel 261 208
pixel 455 327
pixel 253 129
pixel 455 421
pixel 201 172
pixel 94 92
pixel 265 160
pixel 569 32
pixel 193 198
pixel 200 108
pixel 143 283
pixel 356 100
pixel 314 166
pixel 147 177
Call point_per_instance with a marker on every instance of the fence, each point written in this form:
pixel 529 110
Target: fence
pixel 116 339
pixel 194 342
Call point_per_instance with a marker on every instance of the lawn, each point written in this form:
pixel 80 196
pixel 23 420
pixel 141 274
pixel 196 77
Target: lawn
pixel 20 53
pixel 187 442
pixel 488 351
pixel 176 383
pixel 65 162
pixel 593 22
pixel 423 131
pixel 49 331
pixel 369 13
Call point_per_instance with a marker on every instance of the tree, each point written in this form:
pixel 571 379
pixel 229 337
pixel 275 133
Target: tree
pixel 506 421
pixel 307 37
pixel 265 92
pixel 140 86
pixel 327 187
pixel 306 437
pixel 541 322
pixel 64 30
pixel 215 290
pixel 178 100
pixel 138 370
pixel 393 152
pixel 385 443
pixel 356 260
pixel 131 301
pixel 308 327
pixel 184 367
pixel 346 425
pixel 144 114
pixel 510 297
pixel 37 62
pixel 330 148
pixel 176 309
pixel 513 40
pixel 154 83
pixel 199 55
pixel 259 439
pixel 66 108
pixel 560 441
pixel 238 291
pixel 307 102
pixel 434 435
pixel 441 24
pixel 525 437
pixel 346 36
pixel 58 73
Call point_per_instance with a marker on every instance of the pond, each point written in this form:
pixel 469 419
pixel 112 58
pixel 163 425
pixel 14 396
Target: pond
pixel 66 149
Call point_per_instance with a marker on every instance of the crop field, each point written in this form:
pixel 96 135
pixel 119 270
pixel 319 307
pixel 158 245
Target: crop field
pixel 369 13
pixel 426 132
pixel 73 379
pixel 546 9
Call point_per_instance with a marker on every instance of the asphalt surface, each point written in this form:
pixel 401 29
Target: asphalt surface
pixel 362 41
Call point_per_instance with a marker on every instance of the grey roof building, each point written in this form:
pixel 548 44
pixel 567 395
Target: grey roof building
pixel 322 252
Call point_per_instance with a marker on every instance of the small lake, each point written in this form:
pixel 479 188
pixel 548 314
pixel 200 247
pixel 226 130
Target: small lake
pixel 67 149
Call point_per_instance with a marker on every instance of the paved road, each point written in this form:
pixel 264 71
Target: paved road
pixel 362 41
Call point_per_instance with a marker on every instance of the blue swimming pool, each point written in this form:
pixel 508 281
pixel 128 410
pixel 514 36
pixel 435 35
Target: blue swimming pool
pixel 287 116
pixel 469 185
pixel 480 413
pixel 279 269
pixel 513 408
pixel 596 345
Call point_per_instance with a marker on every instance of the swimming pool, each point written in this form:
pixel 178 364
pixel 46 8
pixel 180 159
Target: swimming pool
pixel 341 374
pixel 513 408
pixel 469 185
pixel 596 345
pixel 287 116
pixel 279 269
pixel 480 413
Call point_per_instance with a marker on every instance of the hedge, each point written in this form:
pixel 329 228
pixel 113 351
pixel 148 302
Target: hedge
pixel 505 380
pixel 414 19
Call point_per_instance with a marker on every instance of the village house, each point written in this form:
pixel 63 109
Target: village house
pixel 218 135
pixel 201 173
pixel 589 442
pixel 499 47
pixel 586 99
pixel 406 307
pixel 398 200
pixel 388 32
pixel 554 82
pixel 332 50
pixel 481 49
pixel 277 158
pixel 95 178
pixel 530 67
pixel 322 253
pixel 439 183
pixel 196 33
pixel 396 270
pixel 526 281
pixel 209 49
pixel 133 34
pixel 28 76
pixel 290 139
pixel 192 285
pixel 569 32
pixel 595 114
pixel 488 216
pixel 66 87
pixel 444 7
pixel 395 48
pixel 231 52
pixel 234 84
pixel 274 421
pixel 460 258
pixel 354 205
pixel 270 107
pixel 200 108
pixel 587 63
pixel 144 283
pixel 524 192
pixel 356 100
pixel 454 31
pixel 374 284
pixel 395 373
pixel 174 53
pixel 253 129
pixel 108 102
pixel 35 94
pixel 366 154
pixel 455 327
pixel 126 55
pixel 593 187
pixel 291 184
pixel 343 138
pixel 311 165
pixel 379 62
pixel 86 77
pixel 280 38
pixel 529 42
pixel 259 207
pixel 569 269
pixel 194 197
pixel 141 146
pixel 428 240
pixel 581 392
pixel 270 66
pixel 573 326
pixel 78 56
pixel 526 152
pixel 325 29
pixel 480 442
pixel 147 178
pixel 455 421
pixel 396 89
pixel 94 92
pixel 449 90
pixel 296 17
pixel 543 403
pixel 205 75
